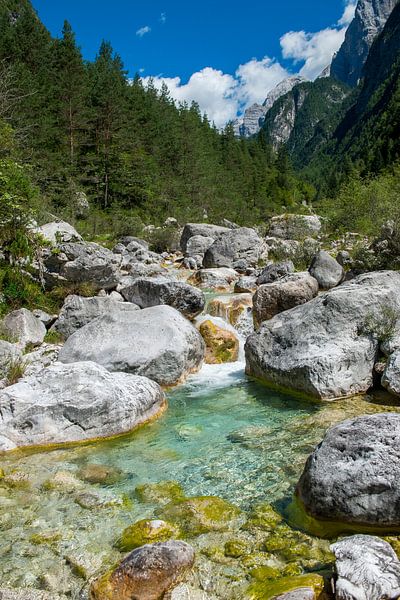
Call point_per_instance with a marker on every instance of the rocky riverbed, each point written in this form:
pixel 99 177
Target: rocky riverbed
pixel 234 466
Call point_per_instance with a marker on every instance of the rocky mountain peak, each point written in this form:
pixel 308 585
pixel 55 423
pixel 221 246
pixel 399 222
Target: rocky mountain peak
pixel 369 20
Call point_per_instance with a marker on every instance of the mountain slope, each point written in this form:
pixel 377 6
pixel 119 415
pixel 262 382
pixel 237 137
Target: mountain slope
pixel 369 20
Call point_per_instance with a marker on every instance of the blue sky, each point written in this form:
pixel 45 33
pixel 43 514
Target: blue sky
pixel 223 54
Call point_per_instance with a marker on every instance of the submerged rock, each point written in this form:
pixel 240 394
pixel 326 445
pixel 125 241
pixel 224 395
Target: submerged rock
pixel 222 346
pixel 146 292
pixel 274 590
pixel 23 327
pixel 156 342
pixel 327 347
pixel 367 567
pixel 285 293
pixel 353 476
pixel 162 492
pixel 201 514
pixel 147 531
pixel 145 574
pixel 78 312
pixel 102 474
pixel 75 402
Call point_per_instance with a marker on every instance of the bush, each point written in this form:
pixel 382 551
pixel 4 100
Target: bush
pixel 15 370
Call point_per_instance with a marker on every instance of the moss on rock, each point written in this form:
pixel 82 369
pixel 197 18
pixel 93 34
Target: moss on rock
pixel 147 531
pixel 201 514
pixel 267 590
pixel 263 516
pixel 159 493
pixel 236 548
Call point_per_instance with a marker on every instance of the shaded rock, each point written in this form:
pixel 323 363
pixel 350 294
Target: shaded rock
pixel 147 531
pixel 78 312
pixel 146 574
pixel 201 514
pixel 81 205
pixel 222 346
pixel 294 227
pixel 327 347
pixel 157 342
pixel 220 279
pixel 69 403
pixel 147 292
pixel 43 316
pixel 198 245
pixel 59 232
pixel 353 475
pixel 288 292
pixel 234 245
pixel 275 271
pixel 391 375
pixel 326 270
pixel 23 327
pixel 246 285
pixel 200 229
pixel 367 567
pixel 9 354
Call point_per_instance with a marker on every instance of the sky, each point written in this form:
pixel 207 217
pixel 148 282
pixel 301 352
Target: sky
pixel 223 54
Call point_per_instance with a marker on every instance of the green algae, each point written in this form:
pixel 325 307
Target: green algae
pixel 236 548
pixel 267 590
pixel 147 531
pixel 162 492
pixel 263 516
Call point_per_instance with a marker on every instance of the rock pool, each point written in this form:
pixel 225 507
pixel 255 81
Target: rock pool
pixel 223 435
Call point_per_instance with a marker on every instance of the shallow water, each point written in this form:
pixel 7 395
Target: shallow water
pixel 223 435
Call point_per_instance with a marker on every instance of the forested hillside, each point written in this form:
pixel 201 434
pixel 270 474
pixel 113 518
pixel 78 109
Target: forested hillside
pixel 83 126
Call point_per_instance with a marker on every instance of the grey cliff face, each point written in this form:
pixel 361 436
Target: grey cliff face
pixel 369 20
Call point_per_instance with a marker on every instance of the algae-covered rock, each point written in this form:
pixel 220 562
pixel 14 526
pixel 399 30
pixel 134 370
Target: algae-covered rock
pixel 146 531
pixel 269 590
pixel 162 492
pixel 201 514
pixel 263 516
pixel 102 474
pixel 265 573
pixel 290 545
pixel 145 574
pixel 45 538
pixel 236 548
pixel 222 346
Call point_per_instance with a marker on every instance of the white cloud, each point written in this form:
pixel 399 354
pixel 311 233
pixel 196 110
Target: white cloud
pixel 317 49
pixel 257 77
pixel 143 30
pixel 163 17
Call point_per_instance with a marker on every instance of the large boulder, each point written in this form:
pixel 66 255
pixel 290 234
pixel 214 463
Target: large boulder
pixel 353 475
pixel 197 246
pixel 236 245
pixel 200 229
pixel 157 342
pixel 147 291
pixel 73 403
pixel 82 262
pixel 57 232
pixel 275 271
pixel 146 574
pixel 221 279
pixel 78 312
pixel 23 327
pixel 294 227
pixel 285 293
pixel 327 347
pixel 367 568
pixel 326 270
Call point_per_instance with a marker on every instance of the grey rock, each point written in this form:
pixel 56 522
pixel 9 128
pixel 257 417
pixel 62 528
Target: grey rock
pixel 78 312
pixel 197 246
pixel 128 239
pixel 246 285
pixel 370 19
pixel 43 316
pixel 367 567
pixel 157 342
pixel 146 292
pixel 116 296
pixel 82 206
pixel 325 348
pixel 204 229
pixel 290 291
pixel 9 354
pixel 391 374
pixel 57 232
pixel 344 259
pixel 190 263
pixel 326 270
pixel 283 250
pixel 275 271
pixel 75 402
pixel 23 327
pixel 353 476
pixel 148 572
pixel 294 227
pixel 235 244
pixel 42 357
pixel 221 279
